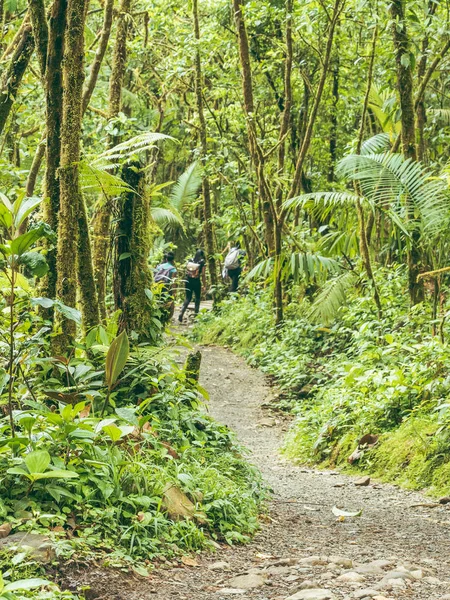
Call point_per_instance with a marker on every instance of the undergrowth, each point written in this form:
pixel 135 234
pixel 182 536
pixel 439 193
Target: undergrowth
pixel 359 376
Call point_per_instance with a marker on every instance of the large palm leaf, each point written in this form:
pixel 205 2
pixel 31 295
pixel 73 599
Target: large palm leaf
pixel 388 179
pixel 332 297
pixel 187 186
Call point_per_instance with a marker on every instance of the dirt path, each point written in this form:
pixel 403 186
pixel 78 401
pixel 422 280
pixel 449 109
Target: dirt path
pixel 393 550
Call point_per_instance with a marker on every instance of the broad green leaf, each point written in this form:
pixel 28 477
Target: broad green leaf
pixel 26 207
pixel 67 311
pixel 114 432
pixel 2 585
pixel 23 243
pixel 26 584
pixel 116 358
pixel 38 461
pixel 57 474
pixel 128 415
pixel 44 302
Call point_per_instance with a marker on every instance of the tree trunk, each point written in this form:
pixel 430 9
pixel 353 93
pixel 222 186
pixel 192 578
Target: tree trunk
pixel 70 201
pixel 132 277
pixel 13 75
pixel 100 54
pixel 334 120
pixel 208 232
pixel 249 107
pixel 40 31
pixel 102 218
pixel 408 134
pixel 54 110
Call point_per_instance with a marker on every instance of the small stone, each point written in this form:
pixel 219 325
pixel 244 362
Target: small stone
pixel 362 482
pixel 341 561
pixel 292 578
pixel 267 423
pixel 394 583
pixel 351 577
pixel 382 563
pixel 398 574
pixel 417 574
pixel 39 546
pixel 328 576
pixel 369 569
pixel 283 561
pixel 230 592
pixel 314 594
pixel 219 566
pixel 308 585
pixel 246 582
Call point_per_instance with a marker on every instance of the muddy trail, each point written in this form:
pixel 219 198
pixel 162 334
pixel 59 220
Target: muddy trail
pixel 394 550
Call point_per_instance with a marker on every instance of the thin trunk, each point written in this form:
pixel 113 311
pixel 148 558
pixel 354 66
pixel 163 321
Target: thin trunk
pixel 86 280
pixel 73 77
pixel 34 169
pixel 208 232
pixel 363 243
pixel 408 134
pixel 296 183
pixel 102 214
pixel 334 120
pixel 100 54
pixel 284 128
pixel 54 110
pixel 14 73
pixel 40 31
pixel 249 107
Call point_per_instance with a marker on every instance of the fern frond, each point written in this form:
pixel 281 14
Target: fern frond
pixel 96 180
pixel 125 150
pixel 300 266
pixel 187 186
pixel 331 298
pixel 325 198
pixel 442 115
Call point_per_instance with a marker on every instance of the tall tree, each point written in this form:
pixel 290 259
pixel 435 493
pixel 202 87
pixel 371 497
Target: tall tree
pixel 208 233
pixel 70 199
pixel 102 217
pixel 403 59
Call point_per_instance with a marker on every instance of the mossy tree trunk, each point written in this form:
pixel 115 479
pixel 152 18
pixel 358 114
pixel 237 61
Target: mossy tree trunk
pixel 14 73
pixel 208 233
pixel 102 220
pixel 132 277
pixel 38 18
pixel 408 134
pixel 70 198
pixel 54 110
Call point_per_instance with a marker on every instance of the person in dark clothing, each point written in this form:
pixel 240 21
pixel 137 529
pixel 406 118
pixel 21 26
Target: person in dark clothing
pixel 233 266
pixel 195 276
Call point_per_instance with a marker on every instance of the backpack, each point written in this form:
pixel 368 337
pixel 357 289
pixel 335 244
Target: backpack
pixel 192 270
pixel 163 274
pixel 232 260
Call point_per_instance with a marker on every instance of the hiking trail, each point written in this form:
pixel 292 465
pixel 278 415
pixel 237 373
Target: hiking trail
pixel 393 551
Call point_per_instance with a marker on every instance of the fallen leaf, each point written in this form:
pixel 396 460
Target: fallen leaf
pixel 344 513
pixel 189 561
pixel 5 530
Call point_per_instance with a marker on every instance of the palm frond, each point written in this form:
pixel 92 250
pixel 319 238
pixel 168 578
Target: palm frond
pixel 97 180
pixel 333 199
pixel 376 144
pixel 126 150
pixel 340 243
pixel 300 266
pixel 186 187
pixel 166 216
pixel 388 179
pixel 384 110
pixel 441 115
pixel 331 298
pixel 262 270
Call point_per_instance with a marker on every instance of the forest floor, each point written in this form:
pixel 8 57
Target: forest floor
pixel 394 550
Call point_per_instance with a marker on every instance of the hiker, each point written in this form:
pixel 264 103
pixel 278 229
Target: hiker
pixel 195 276
pixel 165 274
pixel 233 266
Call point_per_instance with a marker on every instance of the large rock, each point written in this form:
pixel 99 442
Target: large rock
pixel 38 546
pixel 315 594
pixel 351 577
pixel 246 582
